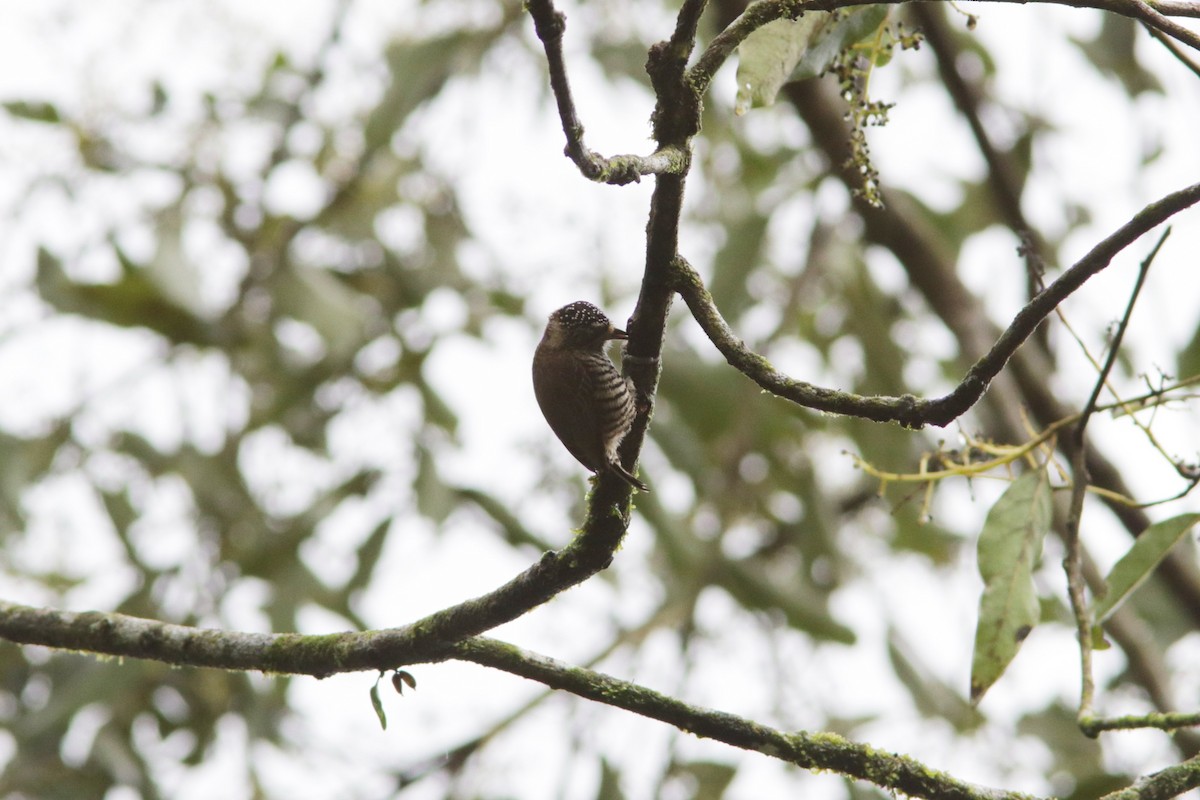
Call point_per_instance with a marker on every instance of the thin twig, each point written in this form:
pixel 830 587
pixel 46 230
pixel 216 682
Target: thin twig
pixel 1174 49
pixel 1073 563
pixel 1164 722
pixel 1004 176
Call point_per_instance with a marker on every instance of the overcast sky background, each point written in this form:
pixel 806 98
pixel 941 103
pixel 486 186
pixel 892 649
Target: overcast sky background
pixel 492 133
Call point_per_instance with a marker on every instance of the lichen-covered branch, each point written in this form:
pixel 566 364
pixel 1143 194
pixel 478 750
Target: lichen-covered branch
pixel 322 655
pixel 1170 782
pixel 813 751
pixel 908 410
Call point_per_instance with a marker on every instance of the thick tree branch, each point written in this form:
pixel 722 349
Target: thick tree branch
pixel 115 634
pixel 123 636
pixel 907 410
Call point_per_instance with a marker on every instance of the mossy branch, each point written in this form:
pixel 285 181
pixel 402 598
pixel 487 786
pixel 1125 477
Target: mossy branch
pixel 907 410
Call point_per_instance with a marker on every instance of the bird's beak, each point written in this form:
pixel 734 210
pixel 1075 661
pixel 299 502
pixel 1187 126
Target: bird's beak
pixel 616 333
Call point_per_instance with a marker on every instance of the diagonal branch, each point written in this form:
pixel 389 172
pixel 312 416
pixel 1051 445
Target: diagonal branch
pixel 811 751
pixel 908 410
pixel 1073 564
pixel 1180 55
pixel 289 653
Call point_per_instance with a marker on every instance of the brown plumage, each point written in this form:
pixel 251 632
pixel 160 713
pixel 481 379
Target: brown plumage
pixel 589 405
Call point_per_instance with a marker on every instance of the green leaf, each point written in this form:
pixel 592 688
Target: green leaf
pixel 34 110
pixel 767 57
pixel 787 50
pixel 377 703
pixel 1009 548
pixel 1140 560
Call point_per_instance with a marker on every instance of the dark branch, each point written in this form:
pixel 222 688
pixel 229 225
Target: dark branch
pixel 1175 50
pixel 907 410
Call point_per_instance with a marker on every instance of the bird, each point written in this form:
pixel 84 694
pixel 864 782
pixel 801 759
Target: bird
pixel 590 406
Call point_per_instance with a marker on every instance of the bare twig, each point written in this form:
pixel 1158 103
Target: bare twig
pixel 1174 49
pixel 1164 722
pixel 908 410
pixel 1073 562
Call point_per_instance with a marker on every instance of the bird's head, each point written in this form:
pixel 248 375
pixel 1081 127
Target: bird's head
pixel 582 326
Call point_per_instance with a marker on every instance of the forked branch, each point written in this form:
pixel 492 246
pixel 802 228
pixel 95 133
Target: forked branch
pixel 617 170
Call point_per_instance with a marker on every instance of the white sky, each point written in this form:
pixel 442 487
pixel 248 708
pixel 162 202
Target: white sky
pixel 65 51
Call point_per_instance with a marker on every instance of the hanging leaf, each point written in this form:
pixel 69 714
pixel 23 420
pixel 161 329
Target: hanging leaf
pixel 377 703
pixel 1009 548
pixel 1150 548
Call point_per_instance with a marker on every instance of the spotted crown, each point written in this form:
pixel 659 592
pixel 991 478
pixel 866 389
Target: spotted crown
pixel 581 314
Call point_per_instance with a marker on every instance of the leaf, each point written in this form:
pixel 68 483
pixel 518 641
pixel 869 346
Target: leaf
pixel 377 703
pixel 1009 548
pixel 34 110
pixel 402 678
pixel 706 780
pixel 133 301
pixel 610 782
pixel 1140 560
pixel 786 50
pixel 849 29
pixel 767 56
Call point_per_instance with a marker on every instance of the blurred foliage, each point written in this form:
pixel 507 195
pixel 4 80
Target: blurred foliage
pixel 326 317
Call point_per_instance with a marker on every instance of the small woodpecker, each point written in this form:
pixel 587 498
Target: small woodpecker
pixel 589 405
